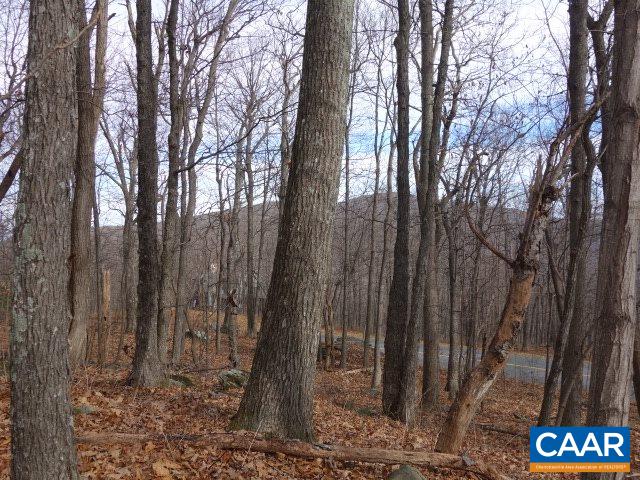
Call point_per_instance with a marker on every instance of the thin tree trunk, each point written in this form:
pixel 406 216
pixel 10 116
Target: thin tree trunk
pixel 251 274
pixel 453 365
pixel 278 397
pixel 376 378
pixel 147 369
pixel 105 318
pixel 189 183
pixel 170 225
pixel 90 98
pixel 398 305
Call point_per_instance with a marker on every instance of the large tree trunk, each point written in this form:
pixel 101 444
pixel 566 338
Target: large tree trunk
pixel 42 444
pixel 609 392
pixel 278 398
pixel 147 369
pixel 405 402
pixel 398 305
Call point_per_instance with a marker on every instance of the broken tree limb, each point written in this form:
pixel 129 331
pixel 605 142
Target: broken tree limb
pixel 493 428
pixel 295 448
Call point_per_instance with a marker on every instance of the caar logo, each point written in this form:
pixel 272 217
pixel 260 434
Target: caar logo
pixel 579 449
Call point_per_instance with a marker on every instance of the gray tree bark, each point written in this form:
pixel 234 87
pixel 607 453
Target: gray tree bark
pixel 147 369
pixel 579 214
pixel 610 392
pixel 90 98
pixel 42 444
pixel 398 305
pixel 278 398
pixel 170 225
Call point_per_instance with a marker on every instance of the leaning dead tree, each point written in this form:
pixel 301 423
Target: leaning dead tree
pixel 543 192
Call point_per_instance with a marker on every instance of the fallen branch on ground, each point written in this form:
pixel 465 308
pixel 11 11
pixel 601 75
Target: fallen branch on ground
pixel 357 370
pixel 294 448
pixel 493 428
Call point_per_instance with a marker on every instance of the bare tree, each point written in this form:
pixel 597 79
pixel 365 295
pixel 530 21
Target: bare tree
pixel 542 194
pixel 278 397
pixel 609 391
pixel 398 307
pixel 147 369
pixel 90 99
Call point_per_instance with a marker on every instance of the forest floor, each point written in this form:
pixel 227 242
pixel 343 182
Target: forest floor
pixel 346 413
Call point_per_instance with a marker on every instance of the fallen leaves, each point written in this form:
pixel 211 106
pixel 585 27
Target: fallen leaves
pixel 345 413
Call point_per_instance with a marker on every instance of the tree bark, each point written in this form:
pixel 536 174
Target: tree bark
pixel 147 369
pixel 105 317
pixel 579 213
pixel 90 98
pixel 542 196
pixel 636 367
pixel 609 392
pixel 278 397
pixel 398 305
pixel 453 365
pixel 170 224
pixel 42 444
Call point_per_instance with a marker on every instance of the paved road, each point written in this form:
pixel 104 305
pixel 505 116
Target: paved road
pixel 525 367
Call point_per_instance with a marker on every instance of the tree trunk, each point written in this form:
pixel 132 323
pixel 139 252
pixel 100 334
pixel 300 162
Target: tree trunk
pixel 188 208
pixel 398 306
pixel 251 273
pixel 232 325
pixel 90 99
pixel 278 397
pixel 636 367
pixel 453 365
pixel 170 225
pixel 543 193
pixel 340 453
pixel 376 378
pixel 42 444
pixel 609 392
pixel 105 318
pixel 129 252
pixel 147 369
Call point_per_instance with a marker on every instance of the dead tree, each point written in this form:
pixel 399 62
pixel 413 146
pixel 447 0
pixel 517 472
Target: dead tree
pixel 543 192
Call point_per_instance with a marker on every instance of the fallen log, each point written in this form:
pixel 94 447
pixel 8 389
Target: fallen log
pixel 295 448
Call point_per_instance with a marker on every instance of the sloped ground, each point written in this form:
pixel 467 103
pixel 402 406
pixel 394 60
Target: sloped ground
pixel 345 413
